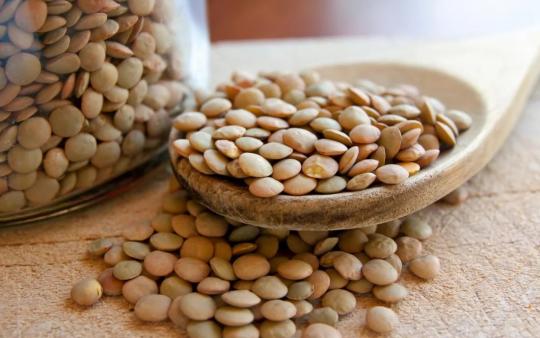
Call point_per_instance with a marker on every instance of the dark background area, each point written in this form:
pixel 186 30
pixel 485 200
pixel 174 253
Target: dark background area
pixel 266 19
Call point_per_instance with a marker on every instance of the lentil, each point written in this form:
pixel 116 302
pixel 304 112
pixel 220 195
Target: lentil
pixel 348 266
pixel 380 246
pixel 174 287
pixel 255 295
pixel 191 269
pixel 408 248
pixel 241 298
pixel 203 329
pixel 342 301
pixel 379 272
pixel 324 315
pixel 228 315
pixel 269 287
pixel 100 246
pixel 126 270
pixel 300 290
pixel 86 292
pixel 294 269
pixel 111 286
pixel 381 319
pixel 416 228
pixel 283 329
pixel 320 330
pixel 390 293
pixel 425 267
pixel 251 267
pixel 152 308
pixel 245 331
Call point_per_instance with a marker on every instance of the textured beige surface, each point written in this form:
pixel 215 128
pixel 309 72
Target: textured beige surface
pixel 489 250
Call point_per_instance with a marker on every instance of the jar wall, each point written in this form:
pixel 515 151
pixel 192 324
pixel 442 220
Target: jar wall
pixel 87 90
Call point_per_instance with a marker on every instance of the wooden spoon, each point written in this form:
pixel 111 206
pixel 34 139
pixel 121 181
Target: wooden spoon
pixel 494 109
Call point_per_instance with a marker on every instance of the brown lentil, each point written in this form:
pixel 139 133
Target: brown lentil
pixel 111 286
pixel 380 246
pixel 241 298
pixel 254 294
pixel 152 308
pixel 251 267
pixel 269 287
pixel 416 228
pixel 126 270
pixel 191 269
pixel 385 130
pixel 425 267
pixel 174 287
pixel 197 306
pixel 324 315
pixel 408 248
pixel 390 293
pixel 381 319
pixel 203 329
pixel 86 292
pixel 294 269
pixel 379 272
pixel 283 329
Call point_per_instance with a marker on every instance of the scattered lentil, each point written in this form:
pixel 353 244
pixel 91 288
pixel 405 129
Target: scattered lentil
pixel 408 248
pixel 126 270
pixel 320 330
pixel 324 315
pixel 197 306
pixel 360 286
pixel 283 329
pixel 86 292
pixel 111 286
pixel 294 269
pixel 138 287
pixel 300 290
pixel 174 287
pixel 379 272
pixel 234 285
pixel 380 246
pixel 278 310
pixel 342 301
pixel 203 329
pixel 426 267
pixel 381 319
pixel 416 228
pixel 348 266
pixel 152 308
pixel 100 246
pixel 390 293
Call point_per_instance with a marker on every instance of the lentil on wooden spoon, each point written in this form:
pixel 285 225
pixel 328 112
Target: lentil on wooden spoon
pixel 298 134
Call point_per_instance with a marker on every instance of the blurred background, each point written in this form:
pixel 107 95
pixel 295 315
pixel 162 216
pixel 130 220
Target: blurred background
pixel 269 19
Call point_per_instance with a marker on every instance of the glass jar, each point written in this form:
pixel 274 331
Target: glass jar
pixel 87 91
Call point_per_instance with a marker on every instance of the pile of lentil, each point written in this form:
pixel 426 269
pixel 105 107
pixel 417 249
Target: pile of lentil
pixel 296 133
pixel 86 88
pixel 214 277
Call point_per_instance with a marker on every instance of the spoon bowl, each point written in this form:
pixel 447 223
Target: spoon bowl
pixel 376 204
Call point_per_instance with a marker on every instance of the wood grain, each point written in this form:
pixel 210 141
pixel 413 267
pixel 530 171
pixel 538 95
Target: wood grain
pixel 489 286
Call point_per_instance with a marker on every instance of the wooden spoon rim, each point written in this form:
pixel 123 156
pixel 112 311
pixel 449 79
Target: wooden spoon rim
pixel 351 209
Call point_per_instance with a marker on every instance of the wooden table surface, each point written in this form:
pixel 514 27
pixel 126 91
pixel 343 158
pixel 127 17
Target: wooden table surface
pixel 489 246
